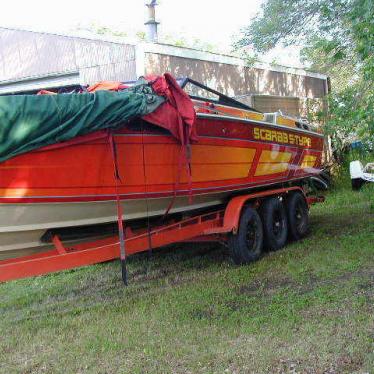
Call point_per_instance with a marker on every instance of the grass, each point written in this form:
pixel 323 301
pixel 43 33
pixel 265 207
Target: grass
pixel 305 309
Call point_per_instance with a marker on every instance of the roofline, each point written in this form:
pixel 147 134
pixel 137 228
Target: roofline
pixel 107 39
pixel 52 80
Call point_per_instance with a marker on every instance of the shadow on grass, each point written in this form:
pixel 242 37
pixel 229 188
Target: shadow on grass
pixel 100 285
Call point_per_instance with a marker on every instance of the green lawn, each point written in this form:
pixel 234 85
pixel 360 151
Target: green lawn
pixel 305 309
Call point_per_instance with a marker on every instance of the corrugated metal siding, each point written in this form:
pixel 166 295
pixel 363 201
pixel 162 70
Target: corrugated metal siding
pixel 280 84
pixel 236 80
pixel 25 54
pixel 228 79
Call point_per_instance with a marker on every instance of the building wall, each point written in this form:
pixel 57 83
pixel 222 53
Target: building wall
pixel 237 80
pixel 25 55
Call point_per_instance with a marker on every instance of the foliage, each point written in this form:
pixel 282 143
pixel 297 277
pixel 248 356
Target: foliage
pixel 338 39
pixel 140 36
pixel 183 41
pixel 342 72
pixel 97 29
pixel 351 116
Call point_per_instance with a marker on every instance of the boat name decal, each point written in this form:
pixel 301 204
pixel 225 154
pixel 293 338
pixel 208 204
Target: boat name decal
pixel 281 137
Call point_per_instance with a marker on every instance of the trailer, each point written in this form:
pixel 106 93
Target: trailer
pixel 248 224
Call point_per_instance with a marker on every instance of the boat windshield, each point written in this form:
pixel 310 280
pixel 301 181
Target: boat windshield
pixel 200 92
pixel 197 90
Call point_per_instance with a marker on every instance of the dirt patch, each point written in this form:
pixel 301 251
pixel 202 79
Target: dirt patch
pixel 347 363
pixel 265 286
pixel 268 287
pixel 289 366
pixel 336 225
pixel 344 364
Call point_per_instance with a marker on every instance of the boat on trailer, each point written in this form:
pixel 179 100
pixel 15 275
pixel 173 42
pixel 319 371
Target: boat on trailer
pixel 70 190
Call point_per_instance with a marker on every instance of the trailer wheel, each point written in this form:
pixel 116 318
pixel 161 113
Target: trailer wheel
pixel 298 216
pixel 274 219
pixel 246 245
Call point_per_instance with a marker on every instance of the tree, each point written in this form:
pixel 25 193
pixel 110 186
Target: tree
pixel 338 39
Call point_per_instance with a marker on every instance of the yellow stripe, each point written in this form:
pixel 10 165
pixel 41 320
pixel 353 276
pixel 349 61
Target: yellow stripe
pixel 211 154
pixel 255 116
pixel 275 156
pixel 272 162
pixel 308 161
pixel 265 169
pixel 286 122
pixel 211 163
pixel 203 173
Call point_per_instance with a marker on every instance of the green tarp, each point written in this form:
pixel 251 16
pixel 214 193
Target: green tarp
pixel 29 122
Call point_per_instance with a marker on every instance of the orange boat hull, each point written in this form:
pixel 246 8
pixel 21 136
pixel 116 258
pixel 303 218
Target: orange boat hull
pixel 75 185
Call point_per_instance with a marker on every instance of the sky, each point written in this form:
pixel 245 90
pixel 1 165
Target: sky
pixel 212 22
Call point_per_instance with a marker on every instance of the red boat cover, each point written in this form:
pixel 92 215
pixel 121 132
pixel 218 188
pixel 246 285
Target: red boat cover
pixel 177 113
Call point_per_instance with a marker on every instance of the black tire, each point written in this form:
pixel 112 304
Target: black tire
pixel 246 245
pixel 274 220
pixel 298 216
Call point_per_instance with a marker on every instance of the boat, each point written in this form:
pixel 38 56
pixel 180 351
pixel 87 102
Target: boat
pixel 71 189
